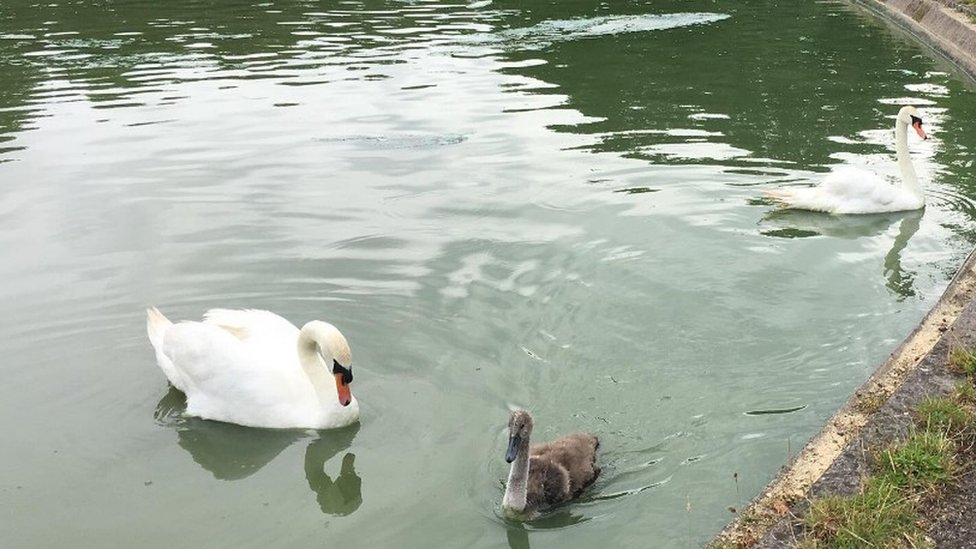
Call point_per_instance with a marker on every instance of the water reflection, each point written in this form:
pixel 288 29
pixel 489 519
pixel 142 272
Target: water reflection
pixel 804 224
pixel 148 57
pixel 342 496
pixel 234 452
pixel 227 451
pixel 551 31
pixel 518 532
pixel 902 281
pixel 518 537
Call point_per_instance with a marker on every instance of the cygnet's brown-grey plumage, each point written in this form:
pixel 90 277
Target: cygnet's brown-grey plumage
pixel 546 474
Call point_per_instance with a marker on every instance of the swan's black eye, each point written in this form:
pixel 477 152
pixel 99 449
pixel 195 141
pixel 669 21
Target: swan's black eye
pixel 340 369
pixel 916 121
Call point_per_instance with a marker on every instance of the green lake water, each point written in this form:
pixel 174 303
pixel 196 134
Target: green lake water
pixel 549 205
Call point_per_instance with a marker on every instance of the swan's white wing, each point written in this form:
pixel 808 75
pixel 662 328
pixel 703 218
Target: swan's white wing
pixel 846 190
pixel 227 380
pixel 263 334
pixel 267 339
pixel 851 190
pixel 251 325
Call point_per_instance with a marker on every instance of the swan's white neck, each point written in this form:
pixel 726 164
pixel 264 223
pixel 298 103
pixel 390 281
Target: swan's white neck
pixel 313 337
pixel 308 356
pixel 518 480
pixel 909 181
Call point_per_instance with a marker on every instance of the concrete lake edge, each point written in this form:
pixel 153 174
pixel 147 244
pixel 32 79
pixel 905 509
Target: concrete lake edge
pixel 948 28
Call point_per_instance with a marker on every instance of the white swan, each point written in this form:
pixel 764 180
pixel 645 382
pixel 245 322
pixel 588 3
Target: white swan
pixel 849 190
pixel 257 369
pixel 546 474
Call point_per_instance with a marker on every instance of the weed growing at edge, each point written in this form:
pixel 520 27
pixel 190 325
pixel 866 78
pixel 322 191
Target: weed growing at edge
pixel 964 360
pixel 922 462
pixel 965 392
pixel 880 516
pixel 943 414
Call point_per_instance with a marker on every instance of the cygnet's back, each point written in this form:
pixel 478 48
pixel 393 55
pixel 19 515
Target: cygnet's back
pixel 566 467
pixel 547 474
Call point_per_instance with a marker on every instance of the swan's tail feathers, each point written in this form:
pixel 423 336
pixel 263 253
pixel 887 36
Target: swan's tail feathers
pixel 784 198
pixel 156 326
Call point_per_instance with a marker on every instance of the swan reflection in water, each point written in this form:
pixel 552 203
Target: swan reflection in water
pixel 339 497
pixel 232 452
pixel 518 537
pixel 803 224
pixel 518 531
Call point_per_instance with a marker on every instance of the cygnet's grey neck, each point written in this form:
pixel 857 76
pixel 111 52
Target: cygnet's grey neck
pixel 518 479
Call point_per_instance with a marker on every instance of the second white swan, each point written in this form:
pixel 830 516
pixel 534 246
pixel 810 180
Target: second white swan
pixel 849 190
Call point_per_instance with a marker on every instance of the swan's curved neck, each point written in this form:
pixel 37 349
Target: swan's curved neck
pixel 311 361
pixel 518 479
pixel 909 181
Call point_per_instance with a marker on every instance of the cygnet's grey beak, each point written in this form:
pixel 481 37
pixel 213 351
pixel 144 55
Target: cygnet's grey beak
pixel 513 446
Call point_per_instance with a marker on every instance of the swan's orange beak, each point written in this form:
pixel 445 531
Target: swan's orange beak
pixel 345 395
pixel 917 124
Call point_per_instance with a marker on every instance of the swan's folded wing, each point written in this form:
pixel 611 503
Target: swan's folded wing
pixel 266 339
pixel 223 378
pixel 199 353
pixel 251 324
pixel 852 187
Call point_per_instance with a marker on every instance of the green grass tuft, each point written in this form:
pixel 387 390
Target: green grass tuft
pixel 965 392
pixel 880 516
pixel 884 514
pixel 943 414
pixel 963 360
pixel 922 462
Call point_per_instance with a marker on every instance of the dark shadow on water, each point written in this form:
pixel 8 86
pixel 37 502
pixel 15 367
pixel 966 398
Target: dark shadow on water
pixel 227 451
pixel 518 537
pixel 775 411
pixel 901 281
pixel 342 496
pixel 800 224
pixel 518 532
pixel 804 224
pixel 169 410
pixel 557 519
pixel 233 452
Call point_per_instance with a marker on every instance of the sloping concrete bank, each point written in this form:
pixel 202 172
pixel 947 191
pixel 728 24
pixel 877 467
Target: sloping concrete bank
pixel 834 460
pixel 946 26
pixel 948 525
